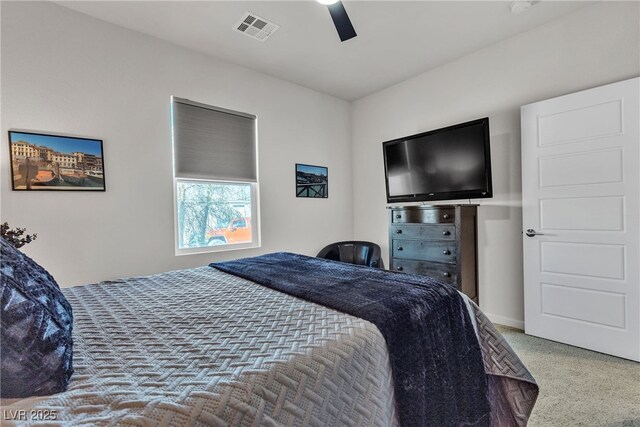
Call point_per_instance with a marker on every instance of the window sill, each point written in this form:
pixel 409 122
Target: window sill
pixel 213 249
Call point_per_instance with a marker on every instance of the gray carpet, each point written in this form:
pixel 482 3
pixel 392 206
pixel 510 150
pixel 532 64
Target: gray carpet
pixel 578 387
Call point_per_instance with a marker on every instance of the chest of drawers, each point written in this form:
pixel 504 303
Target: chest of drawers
pixel 438 241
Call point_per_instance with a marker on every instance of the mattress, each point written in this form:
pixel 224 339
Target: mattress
pixel 201 347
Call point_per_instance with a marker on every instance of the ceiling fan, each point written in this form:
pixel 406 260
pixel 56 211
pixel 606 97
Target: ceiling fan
pixel 340 19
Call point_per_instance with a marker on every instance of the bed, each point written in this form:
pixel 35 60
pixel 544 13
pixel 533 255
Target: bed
pixel 205 347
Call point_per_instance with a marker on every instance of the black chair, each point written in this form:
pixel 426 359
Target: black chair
pixel 354 252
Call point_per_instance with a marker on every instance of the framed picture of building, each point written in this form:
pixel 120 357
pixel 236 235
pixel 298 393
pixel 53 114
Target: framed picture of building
pixel 50 162
pixel 312 181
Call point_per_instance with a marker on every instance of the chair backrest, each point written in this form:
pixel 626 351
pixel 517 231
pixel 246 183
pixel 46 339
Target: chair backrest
pixel 354 252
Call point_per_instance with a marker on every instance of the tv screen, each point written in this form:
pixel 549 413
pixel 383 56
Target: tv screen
pixel 442 164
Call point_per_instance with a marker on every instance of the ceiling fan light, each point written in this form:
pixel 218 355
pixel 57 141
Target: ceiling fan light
pixel 327 2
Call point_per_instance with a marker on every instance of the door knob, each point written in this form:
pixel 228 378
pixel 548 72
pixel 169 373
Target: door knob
pixel 531 232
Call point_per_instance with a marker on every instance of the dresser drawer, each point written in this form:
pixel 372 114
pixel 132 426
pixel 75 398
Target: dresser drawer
pixel 426 232
pixel 424 250
pixel 435 215
pixel 438 241
pixel 445 273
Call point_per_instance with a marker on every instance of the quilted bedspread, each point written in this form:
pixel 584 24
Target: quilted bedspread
pixel 436 361
pixel 201 347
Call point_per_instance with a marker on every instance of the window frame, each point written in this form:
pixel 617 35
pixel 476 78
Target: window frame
pixel 255 220
pixel 256 237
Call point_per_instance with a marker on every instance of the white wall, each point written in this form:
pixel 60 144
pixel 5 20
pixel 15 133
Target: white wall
pixel 596 45
pixel 68 73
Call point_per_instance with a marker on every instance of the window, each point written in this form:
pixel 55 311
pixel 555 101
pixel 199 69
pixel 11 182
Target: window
pixel 216 186
pixel 240 223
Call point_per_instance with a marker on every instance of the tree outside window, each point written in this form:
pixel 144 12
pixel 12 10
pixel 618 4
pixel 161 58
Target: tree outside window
pixel 213 213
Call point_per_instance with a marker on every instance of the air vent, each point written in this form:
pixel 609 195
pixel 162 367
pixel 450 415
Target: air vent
pixel 255 27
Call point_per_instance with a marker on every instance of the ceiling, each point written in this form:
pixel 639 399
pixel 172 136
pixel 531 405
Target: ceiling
pixel 396 39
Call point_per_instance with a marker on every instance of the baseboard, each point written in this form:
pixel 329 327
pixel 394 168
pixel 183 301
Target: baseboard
pixel 506 321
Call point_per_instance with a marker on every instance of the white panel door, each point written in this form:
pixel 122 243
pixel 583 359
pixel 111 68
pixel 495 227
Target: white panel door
pixel 581 218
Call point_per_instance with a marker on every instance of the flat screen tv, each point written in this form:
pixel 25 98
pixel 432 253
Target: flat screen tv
pixel 443 164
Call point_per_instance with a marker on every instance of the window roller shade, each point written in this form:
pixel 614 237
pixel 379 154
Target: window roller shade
pixel 213 143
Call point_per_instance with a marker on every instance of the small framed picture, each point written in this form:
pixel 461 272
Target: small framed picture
pixel 312 181
pixel 50 162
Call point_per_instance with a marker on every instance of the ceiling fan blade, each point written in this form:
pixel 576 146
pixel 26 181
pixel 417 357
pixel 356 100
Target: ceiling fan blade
pixel 341 21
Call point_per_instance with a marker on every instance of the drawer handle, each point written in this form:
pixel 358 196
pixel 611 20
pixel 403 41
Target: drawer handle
pixel 445 216
pixel 398 231
pixel 446 233
pixel 446 252
pixel 399 248
pixel 398 216
pixel 399 268
pixel 446 274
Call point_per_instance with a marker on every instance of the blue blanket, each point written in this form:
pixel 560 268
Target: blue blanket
pixel 435 357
